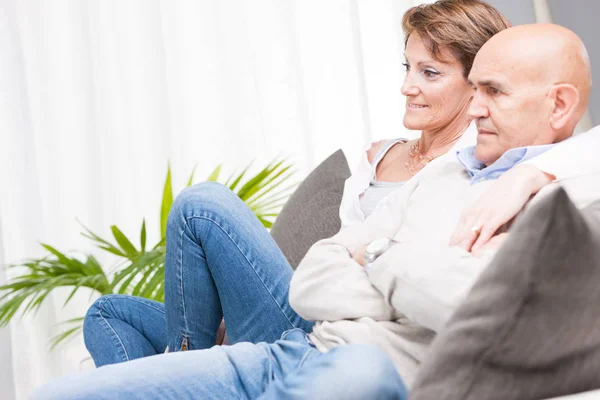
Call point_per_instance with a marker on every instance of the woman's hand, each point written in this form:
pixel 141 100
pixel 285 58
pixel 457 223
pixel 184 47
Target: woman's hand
pixel 359 256
pixel 497 206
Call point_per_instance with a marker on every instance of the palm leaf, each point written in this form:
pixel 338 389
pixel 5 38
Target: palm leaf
pixel 263 192
pixel 27 292
pixel 124 242
pixel 269 186
pixel 269 174
pixel 236 179
pixel 251 185
pixel 143 236
pixel 68 333
pixel 214 176
pixel 167 202
pixel 191 178
pixel 149 288
pixel 123 279
pixel 101 243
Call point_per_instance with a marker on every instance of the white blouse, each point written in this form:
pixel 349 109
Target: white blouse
pixel 576 156
pixel 360 181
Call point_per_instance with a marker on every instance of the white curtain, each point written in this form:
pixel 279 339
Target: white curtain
pixel 96 97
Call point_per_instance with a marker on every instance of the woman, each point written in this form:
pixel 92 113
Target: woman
pixel 221 261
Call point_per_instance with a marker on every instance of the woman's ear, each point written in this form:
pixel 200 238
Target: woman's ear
pixel 565 103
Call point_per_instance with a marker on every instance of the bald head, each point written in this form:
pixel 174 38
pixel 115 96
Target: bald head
pixel 544 53
pixel 533 84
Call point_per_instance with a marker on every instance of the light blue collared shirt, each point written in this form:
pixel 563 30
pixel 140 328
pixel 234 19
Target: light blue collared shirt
pixel 479 172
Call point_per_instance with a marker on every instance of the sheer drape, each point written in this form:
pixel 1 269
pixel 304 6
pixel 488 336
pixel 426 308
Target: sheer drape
pixel 96 97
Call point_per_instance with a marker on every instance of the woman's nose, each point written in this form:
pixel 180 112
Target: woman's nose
pixel 408 87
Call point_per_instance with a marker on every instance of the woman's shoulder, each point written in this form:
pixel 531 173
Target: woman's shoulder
pixel 376 147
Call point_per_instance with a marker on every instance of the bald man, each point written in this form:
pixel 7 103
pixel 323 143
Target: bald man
pixel 532 85
pixel 413 279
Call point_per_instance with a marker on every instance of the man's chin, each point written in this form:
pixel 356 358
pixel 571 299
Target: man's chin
pixel 483 155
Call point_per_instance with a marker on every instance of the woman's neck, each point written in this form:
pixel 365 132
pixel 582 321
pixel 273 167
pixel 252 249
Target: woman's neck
pixel 438 141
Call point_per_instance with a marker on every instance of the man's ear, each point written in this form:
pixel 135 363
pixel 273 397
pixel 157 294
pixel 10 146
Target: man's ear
pixel 566 101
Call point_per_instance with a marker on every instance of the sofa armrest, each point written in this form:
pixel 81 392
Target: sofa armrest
pixel 594 394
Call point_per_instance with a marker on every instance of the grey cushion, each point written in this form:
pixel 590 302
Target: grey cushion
pixel 312 212
pixel 530 327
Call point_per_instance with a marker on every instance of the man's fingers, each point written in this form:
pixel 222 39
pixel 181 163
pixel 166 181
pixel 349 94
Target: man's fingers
pixel 467 241
pixel 462 232
pixel 486 234
pixel 458 234
pixel 499 239
pixel 455 238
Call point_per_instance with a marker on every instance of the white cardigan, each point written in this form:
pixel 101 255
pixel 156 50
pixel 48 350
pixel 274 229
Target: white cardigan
pixel 413 288
pixel 350 212
pixel 582 148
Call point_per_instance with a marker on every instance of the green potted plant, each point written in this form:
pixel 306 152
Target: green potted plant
pixel 138 270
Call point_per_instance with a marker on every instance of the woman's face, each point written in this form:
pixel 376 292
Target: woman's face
pixel 436 92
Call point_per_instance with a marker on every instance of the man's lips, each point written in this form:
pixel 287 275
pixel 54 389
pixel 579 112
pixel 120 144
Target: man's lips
pixel 484 132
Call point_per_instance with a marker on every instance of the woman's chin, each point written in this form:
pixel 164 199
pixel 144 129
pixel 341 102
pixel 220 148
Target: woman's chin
pixel 414 124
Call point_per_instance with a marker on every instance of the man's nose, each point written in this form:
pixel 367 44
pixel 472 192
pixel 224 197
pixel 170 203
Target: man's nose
pixel 478 108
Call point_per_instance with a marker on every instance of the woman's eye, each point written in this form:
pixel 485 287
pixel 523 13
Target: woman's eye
pixel 430 74
pixel 494 90
pixel 406 67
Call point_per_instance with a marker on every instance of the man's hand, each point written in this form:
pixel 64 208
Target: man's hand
pixel 359 256
pixel 493 244
pixel 497 206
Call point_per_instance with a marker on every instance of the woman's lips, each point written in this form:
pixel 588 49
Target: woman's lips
pixel 416 106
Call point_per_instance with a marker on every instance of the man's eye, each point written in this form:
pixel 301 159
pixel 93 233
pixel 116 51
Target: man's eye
pixel 493 90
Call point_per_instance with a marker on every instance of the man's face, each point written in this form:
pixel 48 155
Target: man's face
pixel 510 105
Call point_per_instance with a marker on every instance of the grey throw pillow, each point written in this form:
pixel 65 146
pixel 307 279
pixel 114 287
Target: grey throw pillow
pixel 312 212
pixel 530 327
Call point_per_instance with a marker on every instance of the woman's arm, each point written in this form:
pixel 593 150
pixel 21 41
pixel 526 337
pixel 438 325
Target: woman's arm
pixel 426 283
pixel 329 285
pixel 571 158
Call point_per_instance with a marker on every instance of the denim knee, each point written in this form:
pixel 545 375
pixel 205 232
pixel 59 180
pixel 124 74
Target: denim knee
pixel 103 308
pixel 365 371
pixel 102 304
pixel 207 201
pixel 92 329
pixel 99 309
pixel 203 197
pixel 92 314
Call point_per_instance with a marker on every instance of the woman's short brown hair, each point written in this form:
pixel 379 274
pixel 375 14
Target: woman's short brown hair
pixel 461 25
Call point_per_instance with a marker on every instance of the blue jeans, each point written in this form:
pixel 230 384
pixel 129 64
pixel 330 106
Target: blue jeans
pixel 290 368
pixel 220 261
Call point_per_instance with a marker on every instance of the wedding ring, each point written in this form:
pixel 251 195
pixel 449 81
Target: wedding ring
pixel 475 229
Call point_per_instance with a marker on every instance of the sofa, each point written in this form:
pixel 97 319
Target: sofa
pixel 311 214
